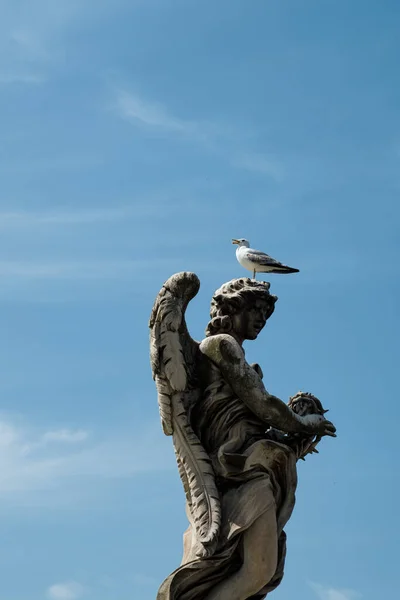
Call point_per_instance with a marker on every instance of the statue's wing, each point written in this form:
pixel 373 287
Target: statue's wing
pixel 172 350
pixel 174 356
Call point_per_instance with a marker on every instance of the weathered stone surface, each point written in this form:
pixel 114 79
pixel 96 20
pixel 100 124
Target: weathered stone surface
pixel 236 444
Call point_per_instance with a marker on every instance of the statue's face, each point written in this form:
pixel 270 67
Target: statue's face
pixel 251 320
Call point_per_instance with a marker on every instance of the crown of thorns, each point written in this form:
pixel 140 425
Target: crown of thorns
pixel 300 396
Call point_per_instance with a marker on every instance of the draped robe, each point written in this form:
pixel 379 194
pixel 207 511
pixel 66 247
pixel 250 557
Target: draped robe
pixel 253 474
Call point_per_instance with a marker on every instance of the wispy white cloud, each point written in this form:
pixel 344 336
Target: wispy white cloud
pixel 65 436
pixel 33 462
pixel 80 270
pixel 57 436
pixel 6 79
pixel 261 163
pixel 219 140
pixel 28 42
pixel 60 217
pixel 29 219
pixel 33 33
pixel 141 112
pixel 70 590
pixel 27 227
pixel 330 593
pixel 27 29
pixel 61 162
pixel 17 272
pixel 133 108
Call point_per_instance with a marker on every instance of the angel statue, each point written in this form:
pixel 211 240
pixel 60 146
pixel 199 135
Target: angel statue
pixel 236 445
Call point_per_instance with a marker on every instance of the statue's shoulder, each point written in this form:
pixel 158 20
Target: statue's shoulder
pixel 221 347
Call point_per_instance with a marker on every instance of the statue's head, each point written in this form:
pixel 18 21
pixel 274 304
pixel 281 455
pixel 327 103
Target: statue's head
pixel 241 306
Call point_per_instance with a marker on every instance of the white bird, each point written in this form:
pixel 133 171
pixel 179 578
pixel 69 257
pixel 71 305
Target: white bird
pixel 257 261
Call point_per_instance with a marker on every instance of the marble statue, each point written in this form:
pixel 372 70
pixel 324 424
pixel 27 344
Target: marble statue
pixel 236 445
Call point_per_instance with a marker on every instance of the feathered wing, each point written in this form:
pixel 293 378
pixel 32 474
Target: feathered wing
pixel 173 355
pixel 264 260
pixel 260 257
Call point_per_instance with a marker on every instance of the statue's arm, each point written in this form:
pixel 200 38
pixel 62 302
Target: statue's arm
pixel 227 355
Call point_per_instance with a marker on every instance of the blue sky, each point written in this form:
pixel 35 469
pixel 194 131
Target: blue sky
pixel 136 139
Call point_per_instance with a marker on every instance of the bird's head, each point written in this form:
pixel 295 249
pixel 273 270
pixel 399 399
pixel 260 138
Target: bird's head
pixel 241 242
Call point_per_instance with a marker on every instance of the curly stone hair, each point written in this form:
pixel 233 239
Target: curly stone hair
pixel 232 297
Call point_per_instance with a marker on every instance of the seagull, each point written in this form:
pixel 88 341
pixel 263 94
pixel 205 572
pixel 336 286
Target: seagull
pixel 257 261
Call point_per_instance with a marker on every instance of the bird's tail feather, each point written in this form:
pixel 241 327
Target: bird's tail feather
pixel 281 269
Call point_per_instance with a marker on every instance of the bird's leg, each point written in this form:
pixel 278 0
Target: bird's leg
pixel 254 274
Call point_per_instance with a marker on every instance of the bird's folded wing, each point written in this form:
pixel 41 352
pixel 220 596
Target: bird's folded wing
pixel 261 258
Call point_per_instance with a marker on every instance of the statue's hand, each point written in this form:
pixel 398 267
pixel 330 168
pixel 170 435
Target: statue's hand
pixel 318 425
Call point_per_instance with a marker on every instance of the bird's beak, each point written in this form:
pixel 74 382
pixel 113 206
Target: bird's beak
pixel 234 241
